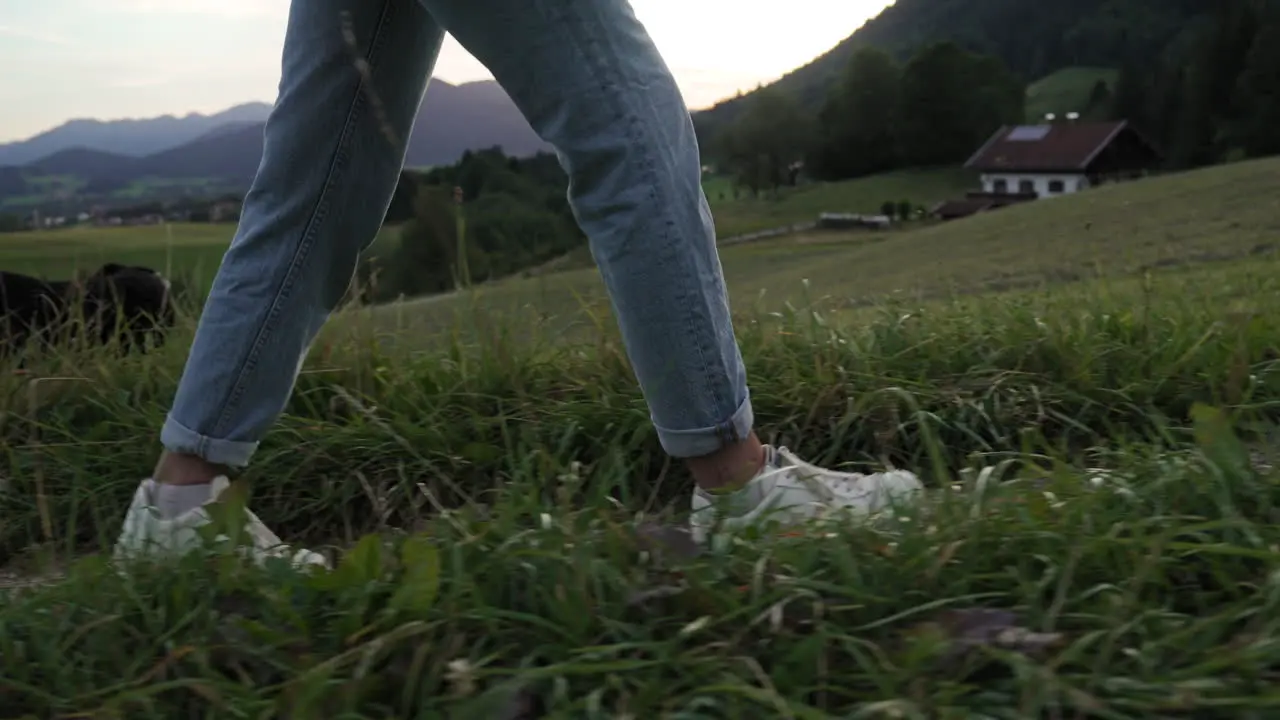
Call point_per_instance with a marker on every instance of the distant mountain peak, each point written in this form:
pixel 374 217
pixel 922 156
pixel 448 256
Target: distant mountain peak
pixel 225 148
pixel 135 137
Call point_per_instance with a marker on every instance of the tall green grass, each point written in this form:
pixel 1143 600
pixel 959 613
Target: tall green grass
pixel 1053 370
pixel 493 505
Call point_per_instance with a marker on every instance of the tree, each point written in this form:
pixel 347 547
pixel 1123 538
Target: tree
pixel 997 97
pixel 1099 99
pixel 516 215
pixel 952 101
pixel 857 127
pixel 508 233
pixel 1208 107
pixel 10 223
pixel 423 261
pixel 401 207
pixel 1132 97
pixel 771 135
pixel 1258 93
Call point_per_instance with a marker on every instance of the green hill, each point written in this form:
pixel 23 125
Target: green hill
pixel 1033 39
pixel 1215 214
pixel 861 195
pixel 743 215
pixel 1071 90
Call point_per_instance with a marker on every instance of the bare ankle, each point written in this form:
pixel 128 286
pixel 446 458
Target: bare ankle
pixel 183 469
pixel 730 467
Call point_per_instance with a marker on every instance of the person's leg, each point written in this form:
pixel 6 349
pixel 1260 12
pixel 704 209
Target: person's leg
pixel 591 82
pixel 334 146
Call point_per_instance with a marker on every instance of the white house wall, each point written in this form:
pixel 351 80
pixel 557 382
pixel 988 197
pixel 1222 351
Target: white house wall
pixel 1040 183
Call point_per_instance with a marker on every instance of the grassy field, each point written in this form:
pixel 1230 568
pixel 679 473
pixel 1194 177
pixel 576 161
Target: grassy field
pixel 1089 385
pixel 194 248
pixel 188 251
pixel 744 214
pixel 47 187
pixel 149 188
pixel 866 195
pixel 718 188
pixel 54 188
pixel 1065 91
pixel 192 251
pixel 1222 213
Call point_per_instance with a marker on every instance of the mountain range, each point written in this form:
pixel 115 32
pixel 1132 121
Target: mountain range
pixel 101 160
pixel 128 137
pixel 88 158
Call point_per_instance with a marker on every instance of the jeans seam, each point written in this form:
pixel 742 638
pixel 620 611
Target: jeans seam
pixel 635 131
pixel 318 215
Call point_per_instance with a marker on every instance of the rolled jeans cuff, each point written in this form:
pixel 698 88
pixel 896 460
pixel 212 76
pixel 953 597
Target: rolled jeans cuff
pixel 704 441
pixel 178 438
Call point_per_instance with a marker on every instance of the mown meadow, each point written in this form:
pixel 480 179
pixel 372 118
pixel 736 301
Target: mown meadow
pixel 1088 385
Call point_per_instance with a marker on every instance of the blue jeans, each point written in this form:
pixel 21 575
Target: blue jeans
pixel 589 80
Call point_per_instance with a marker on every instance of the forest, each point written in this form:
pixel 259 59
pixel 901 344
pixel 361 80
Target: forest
pixel 1206 93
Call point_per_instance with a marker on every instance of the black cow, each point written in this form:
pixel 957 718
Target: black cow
pixel 131 302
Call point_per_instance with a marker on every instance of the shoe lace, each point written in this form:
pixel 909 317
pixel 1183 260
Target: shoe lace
pixel 823 481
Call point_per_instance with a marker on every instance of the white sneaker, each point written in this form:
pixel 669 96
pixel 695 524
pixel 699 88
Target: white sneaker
pixel 146 532
pixel 791 491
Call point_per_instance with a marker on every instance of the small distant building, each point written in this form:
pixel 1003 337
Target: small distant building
pixel 46 222
pixel 1057 158
pixel 224 210
pixel 1021 163
pixel 977 201
pixel 844 221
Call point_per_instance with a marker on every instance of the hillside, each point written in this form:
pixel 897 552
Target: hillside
pixel 453 119
pixel 230 155
pixel 1071 89
pixel 1219 213
pixel 471 116
pixel 1034 39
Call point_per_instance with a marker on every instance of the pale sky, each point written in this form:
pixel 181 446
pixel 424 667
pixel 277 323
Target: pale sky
pixel 112 59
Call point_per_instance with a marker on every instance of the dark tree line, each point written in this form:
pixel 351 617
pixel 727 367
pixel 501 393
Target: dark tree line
pixel 878 116
pixel 1032 38
pixel 935 110
pixel 514 214
pixel 764 145
pixel 1214 96
pixel 1205 92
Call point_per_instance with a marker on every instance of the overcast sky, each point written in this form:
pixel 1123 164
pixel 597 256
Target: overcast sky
pixel 111 59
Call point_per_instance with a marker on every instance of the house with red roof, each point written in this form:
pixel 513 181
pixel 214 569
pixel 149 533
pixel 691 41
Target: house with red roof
pixel 1061 157
pixel 1029 162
